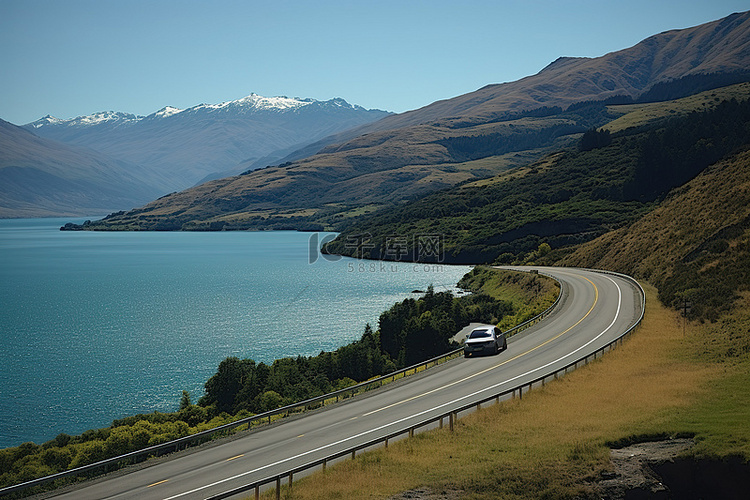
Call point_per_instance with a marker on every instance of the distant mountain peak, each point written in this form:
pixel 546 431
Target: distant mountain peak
pixel 46 120
pixel 104 116
pixel 166 112
pixel 255 102
pixel 86 120
pixel 180 146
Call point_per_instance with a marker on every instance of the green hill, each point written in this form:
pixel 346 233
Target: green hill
pixel 570 197
pixel 695 246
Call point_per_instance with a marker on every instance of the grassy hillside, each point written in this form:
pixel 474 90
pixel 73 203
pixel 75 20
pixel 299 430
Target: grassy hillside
pixel 567 198
pixel 528 294
pixel 638 115
pixel 698 244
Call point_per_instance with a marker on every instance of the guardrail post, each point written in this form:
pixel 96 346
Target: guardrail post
pixel 278 487
pixel 324 464
pixel 257 492
pixel 411 432
pixel 291 479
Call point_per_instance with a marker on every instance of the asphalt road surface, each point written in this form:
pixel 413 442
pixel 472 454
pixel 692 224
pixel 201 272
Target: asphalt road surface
pixel 595 309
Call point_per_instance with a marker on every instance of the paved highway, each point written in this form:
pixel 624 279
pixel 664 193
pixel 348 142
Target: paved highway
pixel 595 308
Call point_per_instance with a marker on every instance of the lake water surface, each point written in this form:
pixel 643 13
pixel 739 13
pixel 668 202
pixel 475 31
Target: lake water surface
pixel 99 325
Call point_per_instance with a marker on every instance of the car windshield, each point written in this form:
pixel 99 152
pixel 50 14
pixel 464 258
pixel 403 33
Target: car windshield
pixel 479 334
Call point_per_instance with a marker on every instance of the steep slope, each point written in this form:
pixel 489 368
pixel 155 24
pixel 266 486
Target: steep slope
pixel 694 247
pixel 43 178
pixel 182 147
pixel 480 134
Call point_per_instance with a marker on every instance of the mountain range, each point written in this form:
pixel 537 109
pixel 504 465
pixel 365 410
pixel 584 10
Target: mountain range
pixel 332 183
pixel 171 149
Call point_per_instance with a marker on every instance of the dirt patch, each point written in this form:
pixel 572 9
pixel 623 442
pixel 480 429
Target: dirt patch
pixel 428 494
pixel 634 477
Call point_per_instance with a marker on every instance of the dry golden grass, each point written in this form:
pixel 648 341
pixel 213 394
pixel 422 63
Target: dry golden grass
pixel 641 114
pixel 554 442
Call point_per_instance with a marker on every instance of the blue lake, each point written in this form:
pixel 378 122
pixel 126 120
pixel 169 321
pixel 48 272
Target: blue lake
pixel 99 325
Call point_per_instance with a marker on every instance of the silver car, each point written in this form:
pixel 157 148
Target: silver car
pixel 485 340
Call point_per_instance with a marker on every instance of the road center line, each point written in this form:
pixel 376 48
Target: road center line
pixel 419 414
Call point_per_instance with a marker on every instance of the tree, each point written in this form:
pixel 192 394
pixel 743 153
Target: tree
pixel 185 400
pixel 594 139
pixel 222 387
pixel 270 400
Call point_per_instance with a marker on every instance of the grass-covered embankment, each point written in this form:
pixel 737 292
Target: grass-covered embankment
pixel 529 294
pixel 555 442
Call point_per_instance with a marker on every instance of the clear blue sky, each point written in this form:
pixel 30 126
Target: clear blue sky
pixel 75 57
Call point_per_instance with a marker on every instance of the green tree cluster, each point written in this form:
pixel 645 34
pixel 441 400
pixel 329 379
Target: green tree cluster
pixel 679 150
pixel 411 331
pixel 29 461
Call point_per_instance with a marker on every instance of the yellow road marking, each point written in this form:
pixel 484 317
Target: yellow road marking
pixel 596 299
pixel 156 484
pixel 234 458
pixel 300 435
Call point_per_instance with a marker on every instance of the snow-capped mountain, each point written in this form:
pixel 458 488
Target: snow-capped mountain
pixel 185 146
pixel 104 117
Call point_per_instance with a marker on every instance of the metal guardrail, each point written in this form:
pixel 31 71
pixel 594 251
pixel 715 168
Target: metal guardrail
pixel 451 415
pixel 312 403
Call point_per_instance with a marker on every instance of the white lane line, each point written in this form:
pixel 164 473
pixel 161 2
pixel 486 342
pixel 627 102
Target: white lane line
pixel 450 403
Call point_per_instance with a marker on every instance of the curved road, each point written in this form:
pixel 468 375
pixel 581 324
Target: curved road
pixel 595 309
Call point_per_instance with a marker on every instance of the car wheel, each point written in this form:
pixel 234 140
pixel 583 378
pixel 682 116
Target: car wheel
pixel 505 344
